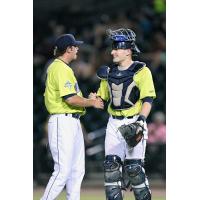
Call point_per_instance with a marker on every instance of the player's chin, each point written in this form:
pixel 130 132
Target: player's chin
pixel 75 57
pixel 115 60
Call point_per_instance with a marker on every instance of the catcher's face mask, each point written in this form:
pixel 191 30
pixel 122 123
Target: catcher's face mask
pixel 121 45
pixel 123 39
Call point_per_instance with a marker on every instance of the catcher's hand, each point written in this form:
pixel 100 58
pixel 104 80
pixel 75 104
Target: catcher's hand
pixel 133 132
pixel 92 95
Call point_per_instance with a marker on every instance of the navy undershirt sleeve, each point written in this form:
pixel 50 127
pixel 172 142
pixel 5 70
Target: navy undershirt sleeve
pixel 67 96
pixel 148 99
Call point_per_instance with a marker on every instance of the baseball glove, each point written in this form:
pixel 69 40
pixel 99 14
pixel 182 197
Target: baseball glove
pixel 132 133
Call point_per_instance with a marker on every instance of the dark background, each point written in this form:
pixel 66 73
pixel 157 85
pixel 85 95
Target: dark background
pixel 88 21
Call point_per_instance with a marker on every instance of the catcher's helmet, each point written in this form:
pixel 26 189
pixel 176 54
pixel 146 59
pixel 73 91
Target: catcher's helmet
pixel 123 39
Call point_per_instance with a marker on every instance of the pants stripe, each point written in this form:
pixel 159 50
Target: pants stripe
pixel 58 163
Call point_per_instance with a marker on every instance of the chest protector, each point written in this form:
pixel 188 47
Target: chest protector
pixel 123 91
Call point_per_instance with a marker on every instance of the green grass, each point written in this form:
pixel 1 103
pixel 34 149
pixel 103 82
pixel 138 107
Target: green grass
pixel 90 195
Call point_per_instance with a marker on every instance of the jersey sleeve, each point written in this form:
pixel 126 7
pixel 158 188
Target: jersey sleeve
pixel 103 90
pixel 66 82
pixel 144 81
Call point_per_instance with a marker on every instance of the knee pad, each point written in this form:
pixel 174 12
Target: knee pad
pixel 112 169
pixel 113 177
pixel 136 174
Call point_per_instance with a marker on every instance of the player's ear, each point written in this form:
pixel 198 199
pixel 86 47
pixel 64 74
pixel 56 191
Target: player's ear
pixel 69 49
pixel 128 52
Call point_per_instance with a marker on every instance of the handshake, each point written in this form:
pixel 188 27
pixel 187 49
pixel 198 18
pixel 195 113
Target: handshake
pixel 97 101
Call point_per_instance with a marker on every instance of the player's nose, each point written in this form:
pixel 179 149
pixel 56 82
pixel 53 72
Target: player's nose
pixel 112 52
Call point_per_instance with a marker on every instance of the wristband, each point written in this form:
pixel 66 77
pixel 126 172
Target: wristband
pixel 141 118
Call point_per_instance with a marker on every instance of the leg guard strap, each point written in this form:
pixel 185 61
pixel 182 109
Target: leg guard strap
pixel 142 193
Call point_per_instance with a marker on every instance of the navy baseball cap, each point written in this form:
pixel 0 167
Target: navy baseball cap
pixel 66 40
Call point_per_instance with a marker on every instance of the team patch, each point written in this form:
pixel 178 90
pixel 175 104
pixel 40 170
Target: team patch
pixel 76 87
pixel 68 85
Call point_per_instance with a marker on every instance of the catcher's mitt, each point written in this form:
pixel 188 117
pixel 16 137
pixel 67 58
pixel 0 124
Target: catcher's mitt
pixel 132 133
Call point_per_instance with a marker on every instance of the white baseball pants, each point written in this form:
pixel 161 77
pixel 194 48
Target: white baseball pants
pixel 67 148
pixel 116 145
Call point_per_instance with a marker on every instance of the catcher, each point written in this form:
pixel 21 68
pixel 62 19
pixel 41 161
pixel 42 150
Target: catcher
pixel 129 88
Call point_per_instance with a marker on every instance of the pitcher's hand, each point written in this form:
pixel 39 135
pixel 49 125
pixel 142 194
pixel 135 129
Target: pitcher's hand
pixel 98 103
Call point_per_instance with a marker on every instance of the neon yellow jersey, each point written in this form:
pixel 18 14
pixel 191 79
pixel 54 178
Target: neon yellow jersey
pixel 61 82
pixel 143 80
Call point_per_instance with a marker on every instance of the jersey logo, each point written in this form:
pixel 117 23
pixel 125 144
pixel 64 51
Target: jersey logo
pixel 151 91
pixel 68 85
pixel 119 74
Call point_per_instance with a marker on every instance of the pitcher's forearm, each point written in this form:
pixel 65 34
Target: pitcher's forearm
pixel 80 101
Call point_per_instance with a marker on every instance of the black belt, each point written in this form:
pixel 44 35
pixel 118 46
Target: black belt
pixel 74 115
pixel 121 117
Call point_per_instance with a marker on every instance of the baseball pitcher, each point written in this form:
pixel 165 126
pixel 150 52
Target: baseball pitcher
pixel 65 103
